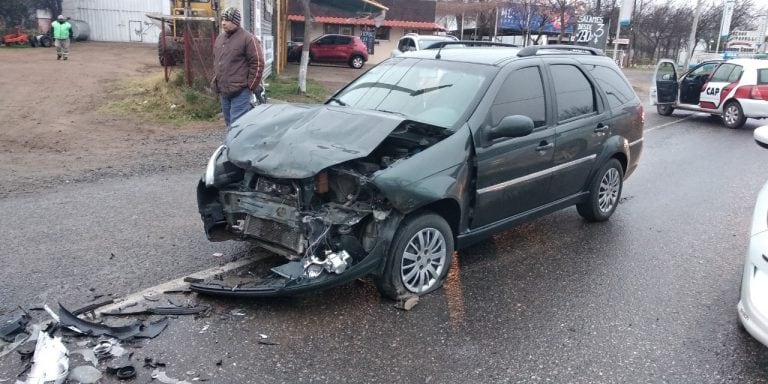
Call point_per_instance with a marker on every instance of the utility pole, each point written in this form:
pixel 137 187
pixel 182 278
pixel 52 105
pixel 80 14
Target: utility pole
pixel 692 38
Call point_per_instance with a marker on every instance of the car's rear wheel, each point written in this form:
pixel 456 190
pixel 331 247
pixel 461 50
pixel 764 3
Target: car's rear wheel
pixel 356 62
pixel 604 192
pixel 664 109
pixel 418 258
pixel 733 115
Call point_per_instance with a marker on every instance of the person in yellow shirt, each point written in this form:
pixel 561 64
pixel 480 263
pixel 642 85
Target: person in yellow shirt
pixel 62 32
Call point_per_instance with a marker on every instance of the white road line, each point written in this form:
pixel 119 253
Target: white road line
pixel 667 124
pixel 138 297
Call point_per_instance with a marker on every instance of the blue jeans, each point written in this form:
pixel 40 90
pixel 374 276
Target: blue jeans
pixel 235 106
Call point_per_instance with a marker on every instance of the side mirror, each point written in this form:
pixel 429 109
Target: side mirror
pixel 511 126
pixel 761 136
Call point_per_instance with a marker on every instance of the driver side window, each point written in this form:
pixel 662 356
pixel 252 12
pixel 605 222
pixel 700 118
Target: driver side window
pixel 521 94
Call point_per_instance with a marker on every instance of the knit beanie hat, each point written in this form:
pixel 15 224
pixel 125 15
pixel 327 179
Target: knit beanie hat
pixel 232 15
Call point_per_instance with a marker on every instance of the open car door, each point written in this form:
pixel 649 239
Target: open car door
pixel 665 87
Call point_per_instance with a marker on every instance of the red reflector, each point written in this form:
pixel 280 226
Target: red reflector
pixel 757 93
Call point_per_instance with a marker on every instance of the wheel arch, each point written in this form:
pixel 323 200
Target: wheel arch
pixel 448 209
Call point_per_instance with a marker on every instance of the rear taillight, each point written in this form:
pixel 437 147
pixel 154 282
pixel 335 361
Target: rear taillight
pixel 755 92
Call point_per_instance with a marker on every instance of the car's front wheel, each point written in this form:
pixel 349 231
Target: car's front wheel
pixel 356 62
pixel 733 115
pixel 604 192
pixel 418 258
pixel 664 109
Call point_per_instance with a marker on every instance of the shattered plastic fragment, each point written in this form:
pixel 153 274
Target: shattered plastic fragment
pixel 88 356
pixel 85 374
pixel 50 363
pixel 163 378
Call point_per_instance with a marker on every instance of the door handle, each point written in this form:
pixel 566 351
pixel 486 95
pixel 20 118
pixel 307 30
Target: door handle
pixel 543 146
pixel 601 128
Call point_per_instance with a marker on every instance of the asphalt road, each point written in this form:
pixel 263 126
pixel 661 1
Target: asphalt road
pixel 647 297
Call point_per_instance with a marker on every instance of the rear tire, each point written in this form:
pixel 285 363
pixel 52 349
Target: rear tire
pixel 418 258
pixel 733 115
pixel 356 62
pixel 604 193
pixel 664 109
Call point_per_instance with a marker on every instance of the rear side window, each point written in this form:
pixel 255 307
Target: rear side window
pixel 614 85
pixel 521 94
pixel 573 92
pixel 343 40
pixel 762 76
pixel 723 73
pixel 735 74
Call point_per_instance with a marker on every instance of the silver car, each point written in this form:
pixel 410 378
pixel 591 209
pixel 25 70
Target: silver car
pixel 753 305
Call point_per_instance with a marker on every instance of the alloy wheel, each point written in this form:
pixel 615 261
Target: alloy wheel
pixel 610 187
pixel 731 114
pixel 424 259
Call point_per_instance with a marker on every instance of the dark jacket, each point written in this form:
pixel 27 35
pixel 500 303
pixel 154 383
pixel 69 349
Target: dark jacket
pixel 238 63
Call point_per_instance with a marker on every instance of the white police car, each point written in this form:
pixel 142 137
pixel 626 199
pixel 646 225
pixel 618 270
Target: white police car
pixel 734 89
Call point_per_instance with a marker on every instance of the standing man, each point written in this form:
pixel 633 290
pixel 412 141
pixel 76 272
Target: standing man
pixel 62 32
pixel 238 63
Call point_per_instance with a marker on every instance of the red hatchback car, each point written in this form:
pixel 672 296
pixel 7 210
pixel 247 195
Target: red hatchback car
pixel 333 49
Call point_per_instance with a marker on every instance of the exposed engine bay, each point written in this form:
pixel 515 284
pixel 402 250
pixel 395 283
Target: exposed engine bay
pixel 328 223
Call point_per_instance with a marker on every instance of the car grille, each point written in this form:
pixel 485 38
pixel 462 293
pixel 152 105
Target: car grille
pixel 274 232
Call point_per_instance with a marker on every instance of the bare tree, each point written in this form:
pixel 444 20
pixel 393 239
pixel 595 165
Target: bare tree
pixel 305 48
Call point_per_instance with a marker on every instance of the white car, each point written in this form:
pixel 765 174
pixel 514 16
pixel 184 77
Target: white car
pixel 753 305
pixel 734 89
pixel 415 42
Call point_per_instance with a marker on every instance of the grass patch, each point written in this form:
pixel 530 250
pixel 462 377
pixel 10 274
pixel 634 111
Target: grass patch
pixel 154 99
pixel 287 89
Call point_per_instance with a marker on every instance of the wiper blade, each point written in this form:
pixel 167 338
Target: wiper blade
pixel 430 89
pixel 343 104
pixel 392 112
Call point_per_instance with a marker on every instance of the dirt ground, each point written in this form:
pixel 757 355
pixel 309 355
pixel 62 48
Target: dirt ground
pixel 52 130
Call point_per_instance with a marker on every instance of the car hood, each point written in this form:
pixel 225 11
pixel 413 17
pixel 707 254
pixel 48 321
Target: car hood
pixel 297 140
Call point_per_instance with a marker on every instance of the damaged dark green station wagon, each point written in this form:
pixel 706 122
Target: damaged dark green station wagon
pixel 423 154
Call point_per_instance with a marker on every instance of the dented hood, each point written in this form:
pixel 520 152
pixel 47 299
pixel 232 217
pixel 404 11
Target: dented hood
pixel 297 141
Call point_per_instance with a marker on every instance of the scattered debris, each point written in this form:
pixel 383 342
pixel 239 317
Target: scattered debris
pixel 408 303
pixel 13 325
pixel 268 342
pixel 205 328
pixel 50 363
pixel 85 374
pixel 125 332
pixel 163 378
pixel 88 355
pixel 152 296
pixel 91 307
pixel 218 254
pixel 161 311
pixel 190 279
pixel 122 368
pixel 103 349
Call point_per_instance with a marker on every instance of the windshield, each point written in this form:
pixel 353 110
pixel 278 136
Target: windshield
pixel 430 91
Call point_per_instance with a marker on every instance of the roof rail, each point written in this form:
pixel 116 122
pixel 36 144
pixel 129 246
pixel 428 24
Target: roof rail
pixel 532 50
pixel 471 43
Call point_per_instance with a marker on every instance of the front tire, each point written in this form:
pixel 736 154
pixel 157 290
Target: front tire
pixel 664 109
pixel 418 258
pixel 356 62
pixel 604 193
pixel 733 115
